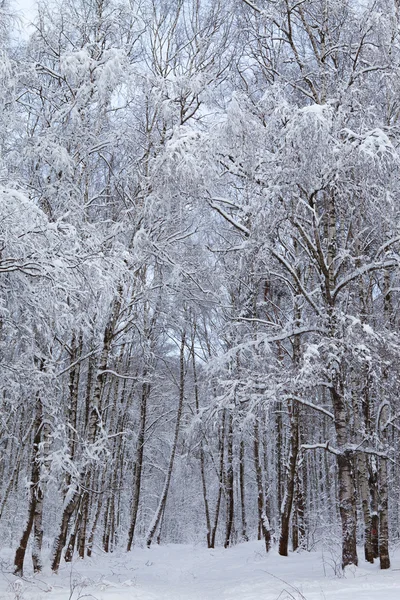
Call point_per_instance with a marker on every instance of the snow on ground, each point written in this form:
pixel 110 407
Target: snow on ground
pixel 178 572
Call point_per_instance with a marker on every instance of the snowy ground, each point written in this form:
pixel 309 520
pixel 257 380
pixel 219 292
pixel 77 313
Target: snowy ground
pixel 195 573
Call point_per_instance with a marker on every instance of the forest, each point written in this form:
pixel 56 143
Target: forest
pixel 200 277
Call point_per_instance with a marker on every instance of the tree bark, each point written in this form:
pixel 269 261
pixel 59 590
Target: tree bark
pixel 263 521
pixel 202 457
pixel 242 491
pixel 139 459
pixel 221 488
pixel 384 558
pixel 229 484
pixel 290 480
pixel 362 470
pixel 35 508
pixel 347 492
pixel 70 504
pixel 163 500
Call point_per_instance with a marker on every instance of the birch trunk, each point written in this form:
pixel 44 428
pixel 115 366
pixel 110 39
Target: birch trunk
pixel 36 496
pixel 229 484
pixel 242 491
pixel 34 499
pixel 347 492
pixel 362 470
pixel 261 501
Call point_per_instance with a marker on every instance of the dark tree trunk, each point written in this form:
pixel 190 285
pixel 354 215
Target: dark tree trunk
pixel 139 460
pixel 291 478
pixel 242 491
pixel 35 507
pixel 383 515
pixel 229 484
pixel 71 503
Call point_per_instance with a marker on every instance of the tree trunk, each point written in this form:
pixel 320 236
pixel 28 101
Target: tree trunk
pixel 383 419
pixel 229 484
pixel 383 515
pixel 261 503
pixel 242 491
pixel 81 535
pixel 70 504
pixel 202 457
pixel 139 460
pixel 291 477
pixel 221 488
pixel 35 508
pixel 69 552
pixel 374 493
pixel 96 517
pixel 163 500
pixel 298 527
pixel 362 471
pixel 347 492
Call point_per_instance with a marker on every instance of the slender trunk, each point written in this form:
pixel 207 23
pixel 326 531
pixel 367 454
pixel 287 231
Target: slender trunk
pixel 12 481
pixel 106 536
pixel 362 473
pixel 295 523
pixel 161 526
pixel 205 498
pixel 38 513
pixel 265 481
pixel 35 508
pixel 229 484
pixel 261 503
pixel 96 517
pixel 383 515
pixel 69 552
pixel 94 413
pixel 70 504
pixel 163 500
pixel 242 491
pixel 384 559
pixel 291 477
pixel 139 460
pixel 20 553
pixel 383 419
pixel 374 492
pixel 301 504
pixel 81 536
pixel 202 457
pixel 74 379
pixel 221 480
pixel 279 455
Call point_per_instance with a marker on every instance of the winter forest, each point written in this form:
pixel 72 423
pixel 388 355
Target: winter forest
pixel 200 278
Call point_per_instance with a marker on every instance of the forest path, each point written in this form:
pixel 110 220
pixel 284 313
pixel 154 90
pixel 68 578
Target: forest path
pixel 181 572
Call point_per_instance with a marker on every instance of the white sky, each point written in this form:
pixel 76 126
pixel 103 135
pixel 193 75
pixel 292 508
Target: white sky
pixel 25 10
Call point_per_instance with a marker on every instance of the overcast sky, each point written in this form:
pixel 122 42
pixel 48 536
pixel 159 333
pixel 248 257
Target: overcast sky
pixel 26 10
